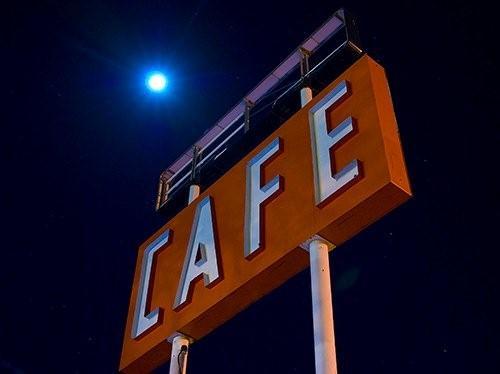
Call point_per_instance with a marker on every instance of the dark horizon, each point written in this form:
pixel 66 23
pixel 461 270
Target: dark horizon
pixel 85 143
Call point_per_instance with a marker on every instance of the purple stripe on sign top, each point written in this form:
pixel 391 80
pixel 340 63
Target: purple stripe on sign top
pixel 327 29
pixel 262 88
pixel 287 65
pixel 236 112
pixel 209 136
pixel 310 45
pixel 180 162
pixel 167 174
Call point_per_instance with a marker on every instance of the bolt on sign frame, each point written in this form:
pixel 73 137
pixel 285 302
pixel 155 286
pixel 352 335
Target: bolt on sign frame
pixel 332 169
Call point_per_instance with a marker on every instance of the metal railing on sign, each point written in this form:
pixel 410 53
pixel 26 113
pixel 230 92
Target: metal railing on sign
pixel 214 140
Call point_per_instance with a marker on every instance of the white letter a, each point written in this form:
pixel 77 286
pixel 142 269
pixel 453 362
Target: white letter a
pixel 201 256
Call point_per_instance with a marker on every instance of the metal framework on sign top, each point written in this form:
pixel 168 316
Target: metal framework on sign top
pixel 273 89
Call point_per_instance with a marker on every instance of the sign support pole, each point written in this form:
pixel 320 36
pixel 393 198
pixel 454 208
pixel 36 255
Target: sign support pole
pixel 324 336
pixel 305 92
pixel 178 358
pixel 180 342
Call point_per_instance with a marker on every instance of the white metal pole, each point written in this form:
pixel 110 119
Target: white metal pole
pixel 178 358
pixel 306 95
pixel 306 92
pixel 325 357
pixel 180 342
pixel 324 337
pixel 194 192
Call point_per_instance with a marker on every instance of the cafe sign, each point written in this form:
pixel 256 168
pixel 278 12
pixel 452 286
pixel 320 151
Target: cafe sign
pixel 332 169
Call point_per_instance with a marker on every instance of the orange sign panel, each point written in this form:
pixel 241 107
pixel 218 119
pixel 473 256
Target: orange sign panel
pixel 332 169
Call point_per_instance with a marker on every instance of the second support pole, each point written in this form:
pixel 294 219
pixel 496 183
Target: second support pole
pixel 324 337
pixel 178 358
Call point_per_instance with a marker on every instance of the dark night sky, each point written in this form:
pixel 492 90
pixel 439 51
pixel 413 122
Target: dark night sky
pixel 84 145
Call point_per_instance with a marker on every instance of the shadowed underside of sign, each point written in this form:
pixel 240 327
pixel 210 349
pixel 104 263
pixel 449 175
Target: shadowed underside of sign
pixel 260 211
